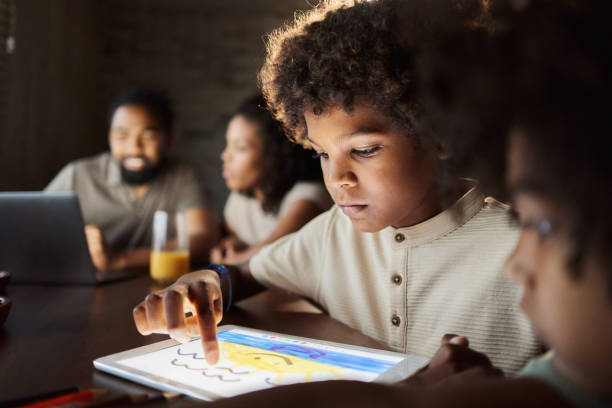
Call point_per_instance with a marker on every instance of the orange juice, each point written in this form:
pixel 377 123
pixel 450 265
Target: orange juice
pixel 167 266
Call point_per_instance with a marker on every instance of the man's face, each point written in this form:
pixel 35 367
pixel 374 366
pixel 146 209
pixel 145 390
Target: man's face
pixel 373 171
pixel 137 142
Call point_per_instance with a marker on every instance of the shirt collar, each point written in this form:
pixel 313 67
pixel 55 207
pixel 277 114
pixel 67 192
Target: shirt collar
pixel 445 222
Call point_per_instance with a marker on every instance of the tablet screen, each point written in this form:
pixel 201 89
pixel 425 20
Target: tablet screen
pixel 252 361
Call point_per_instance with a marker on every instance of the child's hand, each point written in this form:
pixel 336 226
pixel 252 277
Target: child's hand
pixel 164 311
pixel 454 362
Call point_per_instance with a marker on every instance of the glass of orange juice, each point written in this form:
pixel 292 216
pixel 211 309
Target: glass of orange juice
pixel 170 249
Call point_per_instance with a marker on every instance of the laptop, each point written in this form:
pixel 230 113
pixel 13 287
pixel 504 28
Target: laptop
pixel 42 240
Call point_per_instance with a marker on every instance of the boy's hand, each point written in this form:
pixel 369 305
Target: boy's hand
pixel 454 362
pixel 164 311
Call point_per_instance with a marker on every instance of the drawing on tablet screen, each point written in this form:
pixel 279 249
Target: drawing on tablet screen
pixel 252 361
pixel 277 363
pixel 248 360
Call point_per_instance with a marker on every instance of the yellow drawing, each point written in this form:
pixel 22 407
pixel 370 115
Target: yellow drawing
pixel 274 362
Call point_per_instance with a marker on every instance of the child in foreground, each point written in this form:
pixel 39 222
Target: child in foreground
pixel 275 185
pixel 555 111
pixel 410 251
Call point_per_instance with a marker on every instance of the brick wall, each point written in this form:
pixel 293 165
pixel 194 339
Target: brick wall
pixel 206 53
pixel 52 107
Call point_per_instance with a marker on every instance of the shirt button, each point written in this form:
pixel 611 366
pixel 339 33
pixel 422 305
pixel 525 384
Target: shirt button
pixel 399 237
pixel 395 320
pixel 397 279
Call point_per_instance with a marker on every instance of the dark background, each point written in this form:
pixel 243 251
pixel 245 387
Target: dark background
pixel 72 57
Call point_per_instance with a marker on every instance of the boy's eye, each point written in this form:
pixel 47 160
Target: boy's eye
pixel 321 155
pixel 366 152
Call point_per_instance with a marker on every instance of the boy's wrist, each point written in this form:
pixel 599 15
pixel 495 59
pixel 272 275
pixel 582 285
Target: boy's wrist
pixel 225 283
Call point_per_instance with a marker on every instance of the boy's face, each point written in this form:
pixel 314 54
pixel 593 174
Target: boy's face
pixel 136 139
pixel 373 171
pixel 572 316
pixel 243 155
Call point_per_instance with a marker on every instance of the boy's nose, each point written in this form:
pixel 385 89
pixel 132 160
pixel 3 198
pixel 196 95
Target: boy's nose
pixel 341 176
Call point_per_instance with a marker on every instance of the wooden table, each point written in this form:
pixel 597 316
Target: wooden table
pixel 53 333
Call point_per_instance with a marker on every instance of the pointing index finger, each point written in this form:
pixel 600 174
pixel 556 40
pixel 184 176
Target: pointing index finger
pixel 203 296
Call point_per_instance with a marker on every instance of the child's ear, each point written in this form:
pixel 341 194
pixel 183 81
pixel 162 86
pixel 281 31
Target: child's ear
pixel 442 151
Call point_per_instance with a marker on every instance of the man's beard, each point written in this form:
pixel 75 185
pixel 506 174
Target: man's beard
pixel 140 177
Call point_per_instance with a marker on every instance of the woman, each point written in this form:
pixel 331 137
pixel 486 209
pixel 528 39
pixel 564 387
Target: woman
pixel 275 185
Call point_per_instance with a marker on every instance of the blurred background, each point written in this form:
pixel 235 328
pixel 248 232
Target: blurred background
pixel 63 61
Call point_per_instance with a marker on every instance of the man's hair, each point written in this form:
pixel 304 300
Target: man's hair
pixel 156 102
pixel 284 163
pixel 546 71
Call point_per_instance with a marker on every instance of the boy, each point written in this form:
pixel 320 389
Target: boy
pixel 558 172
pixel 411 251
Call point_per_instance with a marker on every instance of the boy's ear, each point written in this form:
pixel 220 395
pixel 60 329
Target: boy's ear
pixel 442 151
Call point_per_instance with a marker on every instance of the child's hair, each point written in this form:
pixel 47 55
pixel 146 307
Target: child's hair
pixel 344 53
pixel 156 102
pixel 547 73
pixel 347 52
pixel 284 162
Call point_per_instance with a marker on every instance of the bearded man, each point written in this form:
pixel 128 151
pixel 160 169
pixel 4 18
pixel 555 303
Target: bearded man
pixel 119 191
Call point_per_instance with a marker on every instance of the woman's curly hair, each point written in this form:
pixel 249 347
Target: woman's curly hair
pixel 285 163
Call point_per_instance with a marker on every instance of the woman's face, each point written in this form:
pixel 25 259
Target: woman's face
pixel 571 316
pixel 373 171
pixel 243 155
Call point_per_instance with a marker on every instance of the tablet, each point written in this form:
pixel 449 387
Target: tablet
pixel 252 360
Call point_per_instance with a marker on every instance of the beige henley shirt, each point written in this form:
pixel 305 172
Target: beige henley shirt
pixel 407 287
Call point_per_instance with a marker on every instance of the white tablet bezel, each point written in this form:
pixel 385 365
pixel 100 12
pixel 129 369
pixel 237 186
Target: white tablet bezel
pixel 408 365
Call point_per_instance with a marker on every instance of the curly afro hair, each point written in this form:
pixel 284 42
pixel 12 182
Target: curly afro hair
pixel 347 52
pixel 344 53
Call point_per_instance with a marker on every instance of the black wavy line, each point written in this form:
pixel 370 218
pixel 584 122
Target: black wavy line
pixel 220 377
pixel 173 362
pixel 194 355
pixel 232 371
pixel 204 371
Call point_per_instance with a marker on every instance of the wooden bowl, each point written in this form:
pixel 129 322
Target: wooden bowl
pixel 5 307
